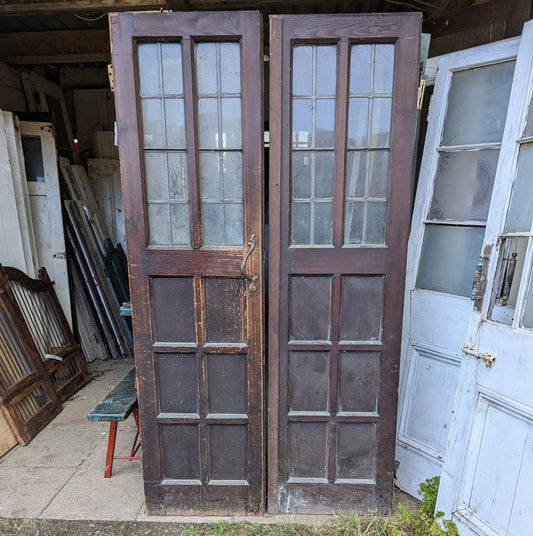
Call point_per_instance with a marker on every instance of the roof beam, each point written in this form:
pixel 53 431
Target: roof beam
pixel 39 7
pixel 55 47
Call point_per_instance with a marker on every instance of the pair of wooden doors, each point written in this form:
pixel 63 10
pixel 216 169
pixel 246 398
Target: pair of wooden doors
pixel 189 102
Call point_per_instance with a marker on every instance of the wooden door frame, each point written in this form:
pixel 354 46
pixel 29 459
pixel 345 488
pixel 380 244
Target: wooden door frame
pixel 381 28
pixel 126 30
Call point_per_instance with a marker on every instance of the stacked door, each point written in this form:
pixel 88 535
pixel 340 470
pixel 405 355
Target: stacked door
pixel 188 94
pixel 342 124
pixel 457 176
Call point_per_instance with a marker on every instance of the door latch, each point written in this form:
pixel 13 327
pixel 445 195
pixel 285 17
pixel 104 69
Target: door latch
pixel 486 357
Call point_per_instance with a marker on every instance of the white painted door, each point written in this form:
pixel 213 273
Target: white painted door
pixel 487 478
pixel 45 203
pixel 459 165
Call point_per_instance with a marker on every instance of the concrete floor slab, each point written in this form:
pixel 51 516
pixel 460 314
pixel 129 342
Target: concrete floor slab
pixel 88 495
pixel 55 448
pixel 27 491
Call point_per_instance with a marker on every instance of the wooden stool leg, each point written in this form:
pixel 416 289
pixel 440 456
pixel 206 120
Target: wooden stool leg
pixel 110 448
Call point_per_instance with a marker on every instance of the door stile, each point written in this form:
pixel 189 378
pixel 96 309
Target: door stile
pixel 278 124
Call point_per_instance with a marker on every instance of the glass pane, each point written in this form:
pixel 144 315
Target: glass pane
pixel 356 174
pixel 302 69
pixel 179 218
pixel 231 123
pixel 149 79
pixel 358 123
pixel 208 135
pixel 301 223
pixel 463 185
pixel 528 131
pixel 527 319
pixel 477 104
pixel 210 176
pixel 326 71
pixel 178 186
pixel 233 222
pixel 230 67
pixel 360 61
pixel 206 68
pixel 324 165
pixel 172 68
pixel 152 123
pixel 323 225
pixel 175 123
pixel 520 212
pixel 301 175
pixel 383 68
pixel 156 181
pixel 325 123
pixel 381 122
pixel 33 158
pixel 353 224
pixel 158 223
pixel 449 257
pixel 376 223
pixel 213 224
pixel 232 172
pixel 301 123
pixel 379 174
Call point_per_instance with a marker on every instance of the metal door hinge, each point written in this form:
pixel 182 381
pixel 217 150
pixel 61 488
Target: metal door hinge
pixel 489 359
pixel 110 76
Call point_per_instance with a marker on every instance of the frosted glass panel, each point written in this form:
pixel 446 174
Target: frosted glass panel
pixel 449 257
pixel 381 122
pixel 520 212
pixel 463 185
pixel 378 174
pixel 218 74
pixel 477 104
pixel 313 140
pixel 353 224
pixel 376 222
pixel 163 128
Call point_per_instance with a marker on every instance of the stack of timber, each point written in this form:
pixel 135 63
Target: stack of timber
pixel 41 365
pixel 100 267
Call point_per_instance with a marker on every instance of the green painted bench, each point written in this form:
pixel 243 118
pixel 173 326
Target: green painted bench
pixel 118 405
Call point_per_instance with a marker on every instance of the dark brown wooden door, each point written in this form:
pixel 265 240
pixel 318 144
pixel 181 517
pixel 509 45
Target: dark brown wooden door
pixel 342 125
pixel 188 96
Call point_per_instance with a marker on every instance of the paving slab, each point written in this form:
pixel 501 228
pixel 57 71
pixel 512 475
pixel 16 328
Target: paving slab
pixel 27 491
pixel 123 446
pixel 88 495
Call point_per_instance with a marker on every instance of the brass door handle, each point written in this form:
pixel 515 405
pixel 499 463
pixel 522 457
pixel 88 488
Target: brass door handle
pixel 254 278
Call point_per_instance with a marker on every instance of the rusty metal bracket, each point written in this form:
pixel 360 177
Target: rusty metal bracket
pixel 489 359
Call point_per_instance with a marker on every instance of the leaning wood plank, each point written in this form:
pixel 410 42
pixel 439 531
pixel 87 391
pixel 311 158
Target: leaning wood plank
pixel 104 175
pixel 20 188
pixel 11 243
pixel 7 438
pixel 90 336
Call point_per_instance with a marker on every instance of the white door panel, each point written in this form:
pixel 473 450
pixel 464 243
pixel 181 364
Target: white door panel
pixel 487 478
pixel 457 173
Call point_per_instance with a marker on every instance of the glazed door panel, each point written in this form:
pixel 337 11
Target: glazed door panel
pixel 189 101
pixel 342 116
